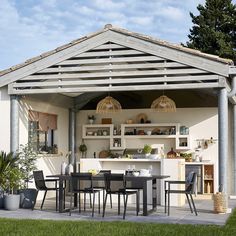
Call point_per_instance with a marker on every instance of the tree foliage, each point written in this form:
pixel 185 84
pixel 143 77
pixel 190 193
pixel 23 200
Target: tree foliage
pixel 214 29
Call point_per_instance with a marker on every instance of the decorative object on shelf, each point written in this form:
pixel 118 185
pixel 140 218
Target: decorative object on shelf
pixel 91 119
pixel 184 130
pixel 106 121
pixel 83 149
pixel 104 154
pixel 171 154
pixel 129 121
pixel 163 104
pixel 141 118
pixel 108 105
pixel 147 149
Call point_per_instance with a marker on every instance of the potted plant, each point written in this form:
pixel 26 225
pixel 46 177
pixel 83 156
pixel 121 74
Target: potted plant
pixel 83 149
pixel 27 164
pixel 10 179
pixel 147 150
pixel 91 119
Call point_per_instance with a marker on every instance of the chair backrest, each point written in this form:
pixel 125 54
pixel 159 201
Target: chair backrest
pixel 98 183
pixel 39 180
pixel 191 182
pixel 114 182
pixel 81 181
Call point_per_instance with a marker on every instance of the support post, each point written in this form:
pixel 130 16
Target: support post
pixel 234 147
pixel 223 138
pixel 14 124
pixel 72 137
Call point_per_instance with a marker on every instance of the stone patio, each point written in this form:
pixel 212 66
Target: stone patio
pixel 181 215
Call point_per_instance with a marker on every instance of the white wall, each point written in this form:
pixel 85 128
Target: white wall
pixel 202 123
pixel 4 120
pixel 50 164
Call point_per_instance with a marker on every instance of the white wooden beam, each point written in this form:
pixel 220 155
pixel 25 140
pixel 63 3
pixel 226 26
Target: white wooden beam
pixel 113 67
pixel 118 88
pixel 109 53
pixel 170 53
pixel 114 74
pixel 109 46
pixel 180 79
pixel 110 60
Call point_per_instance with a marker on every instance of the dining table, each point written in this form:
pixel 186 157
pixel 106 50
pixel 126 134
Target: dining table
pixel 140 182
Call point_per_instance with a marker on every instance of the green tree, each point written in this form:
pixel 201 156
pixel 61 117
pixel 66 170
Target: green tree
pixel 214 29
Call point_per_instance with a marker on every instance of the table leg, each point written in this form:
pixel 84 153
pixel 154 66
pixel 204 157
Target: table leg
pixel 145 211
pixel 61 196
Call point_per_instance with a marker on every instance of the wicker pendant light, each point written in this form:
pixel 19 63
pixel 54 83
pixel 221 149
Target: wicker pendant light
pixel 108 105
pixel 163 104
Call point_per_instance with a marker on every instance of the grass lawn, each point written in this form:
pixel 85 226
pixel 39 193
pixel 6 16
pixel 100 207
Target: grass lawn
pixel 84 228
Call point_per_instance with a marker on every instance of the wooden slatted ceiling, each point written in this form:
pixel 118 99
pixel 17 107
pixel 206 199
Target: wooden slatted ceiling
pixel 110 65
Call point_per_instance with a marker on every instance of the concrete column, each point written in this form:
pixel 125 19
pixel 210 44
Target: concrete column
pixel 223 138
pixel 14 123
pixel 234 147
pixel 72 136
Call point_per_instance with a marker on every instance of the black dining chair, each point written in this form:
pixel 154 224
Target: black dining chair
pixel 83 183
pixel 40 184
pixel 101 185
pixel 189 183
pixel 116 184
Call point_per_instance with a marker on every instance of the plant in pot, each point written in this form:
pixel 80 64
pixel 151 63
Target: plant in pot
pixel 10 179
pixel 83 149
pixel 27 164
pixel 147 150
pixel 91 119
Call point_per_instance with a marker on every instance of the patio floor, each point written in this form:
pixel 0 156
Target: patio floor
pixel 179 215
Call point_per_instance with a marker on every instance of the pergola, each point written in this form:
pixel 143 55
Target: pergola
pixel 117 60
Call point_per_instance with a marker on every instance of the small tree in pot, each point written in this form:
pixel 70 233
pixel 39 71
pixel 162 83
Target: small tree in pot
pixel 27 161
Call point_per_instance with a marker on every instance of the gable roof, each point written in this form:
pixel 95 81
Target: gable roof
pixel 110 28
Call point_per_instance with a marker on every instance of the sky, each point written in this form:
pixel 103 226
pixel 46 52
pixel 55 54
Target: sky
pixel 31 27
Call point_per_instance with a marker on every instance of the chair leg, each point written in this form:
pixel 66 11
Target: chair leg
pixel 99 202
pixel 84 201
pixel 79 204
pixel 189 203
pixel 70 203
pixel 43 199
pixel 93 204
pixel 64 198
pixel 56 200
pixel 90 199
pixel 104 205
pixel 195 210
pixel 137 203
pixel 168 203
pixel 118 204
pixel 165 199
pixel 110 200
pixel 125 205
